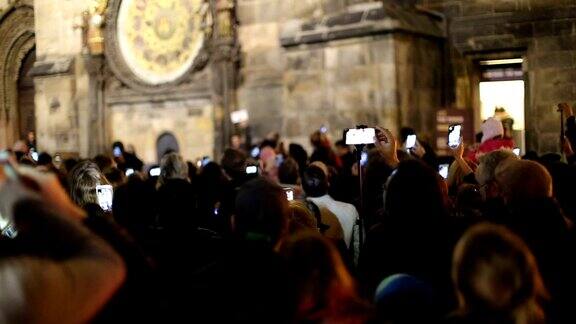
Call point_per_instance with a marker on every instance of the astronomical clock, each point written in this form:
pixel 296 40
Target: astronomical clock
pixel 151 44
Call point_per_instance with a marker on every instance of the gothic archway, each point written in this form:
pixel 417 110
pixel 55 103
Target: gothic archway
pixel 16 42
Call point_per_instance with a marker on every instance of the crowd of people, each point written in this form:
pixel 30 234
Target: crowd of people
pixel 274 235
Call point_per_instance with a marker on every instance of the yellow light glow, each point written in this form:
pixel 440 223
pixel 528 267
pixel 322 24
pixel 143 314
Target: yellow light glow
pixel 506 94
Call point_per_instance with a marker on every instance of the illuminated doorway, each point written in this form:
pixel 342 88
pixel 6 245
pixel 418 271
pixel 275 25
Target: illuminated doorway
pixel 502 92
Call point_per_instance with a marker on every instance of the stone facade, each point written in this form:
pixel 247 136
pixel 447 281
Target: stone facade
pixel 61 80
pixel 305 64
pixel 543 32
pixel 190 121
pixel 338 64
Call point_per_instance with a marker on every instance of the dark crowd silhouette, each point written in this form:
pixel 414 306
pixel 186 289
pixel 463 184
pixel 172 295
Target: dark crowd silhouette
pixel 271 234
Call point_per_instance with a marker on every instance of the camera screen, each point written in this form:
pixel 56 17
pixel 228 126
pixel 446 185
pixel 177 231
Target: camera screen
pixel 443 170
pixel 104 194
pixel 364 158
pixel 289 194
pixel 360 136
pixel 129 172
pixel 205 161
pixel 255 152
pixel 410 141
pixel 251 169
pixel 454 135
pixel 155 172
pixel 117 151
pixel 516 151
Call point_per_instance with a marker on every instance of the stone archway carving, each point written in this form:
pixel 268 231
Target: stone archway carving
pixel 17 40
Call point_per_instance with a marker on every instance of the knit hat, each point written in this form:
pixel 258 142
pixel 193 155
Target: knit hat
pixel 491 128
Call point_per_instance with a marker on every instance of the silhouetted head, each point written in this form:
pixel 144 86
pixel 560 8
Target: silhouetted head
pixel 494 272
pixel 523 180
pixel 261 212
pixel 315 182
pixel 44 159
pixel 414 195
pixel 234 163
pixel 289 172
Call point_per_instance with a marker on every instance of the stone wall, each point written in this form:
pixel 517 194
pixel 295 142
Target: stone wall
pixel 61 83
pixel 264 85
pixel 140 124
pixel 377 76
pixel 542 31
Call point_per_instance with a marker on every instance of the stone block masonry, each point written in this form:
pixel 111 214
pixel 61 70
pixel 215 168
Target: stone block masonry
pixel 543 32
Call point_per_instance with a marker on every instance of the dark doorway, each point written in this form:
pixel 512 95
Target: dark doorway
pixel 166 143
pixel 26 107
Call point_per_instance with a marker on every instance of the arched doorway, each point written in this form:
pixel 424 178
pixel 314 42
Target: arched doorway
pixel 16 44
pixel 26 107
pixel 166 143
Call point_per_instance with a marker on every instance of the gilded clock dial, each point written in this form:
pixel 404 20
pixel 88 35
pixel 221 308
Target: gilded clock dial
pixel 159 39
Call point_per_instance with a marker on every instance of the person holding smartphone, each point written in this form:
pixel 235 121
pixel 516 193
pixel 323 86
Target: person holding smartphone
pixel 418 148
pixel 62 272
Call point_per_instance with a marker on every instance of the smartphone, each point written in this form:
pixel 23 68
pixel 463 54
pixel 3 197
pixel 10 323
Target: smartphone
pixel 516 151
pixel 364 158
pixel 129 172
pixel 255 153
pixel 34 155
pixel 323 129
pixel 57 160
pixel 443 170
pixel 454 135
pixel 359 136
pixel 279 160
pixel 105 195
pixel 117 151
pixel 155 172
pixel 410 142
pixel 251 169
pixel 205 161
pixel 289 194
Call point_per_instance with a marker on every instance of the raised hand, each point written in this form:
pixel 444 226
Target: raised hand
pixel 565 107
pixel 387 146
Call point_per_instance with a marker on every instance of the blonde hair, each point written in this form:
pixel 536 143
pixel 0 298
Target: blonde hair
pixel 494 270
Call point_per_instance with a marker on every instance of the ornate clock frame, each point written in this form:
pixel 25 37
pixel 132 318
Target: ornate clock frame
pixel 115 61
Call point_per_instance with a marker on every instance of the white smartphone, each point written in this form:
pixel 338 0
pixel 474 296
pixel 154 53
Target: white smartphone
pixel 443 170
pixel 289 194
pixel 105 196
pixel 454 135
pixel 117 151
pixel 155 172
pixel 364 158
pixel 251 169
pixel 255 152
pixel 516 151
pixel 34 156
pixel 360 136
pixel 129 172
pixel 410 142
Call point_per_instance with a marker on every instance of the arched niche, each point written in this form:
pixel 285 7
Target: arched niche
pixel 17 40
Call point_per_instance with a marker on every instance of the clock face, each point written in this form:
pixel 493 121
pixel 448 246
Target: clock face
pixel 159 39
